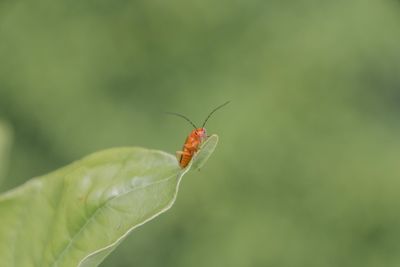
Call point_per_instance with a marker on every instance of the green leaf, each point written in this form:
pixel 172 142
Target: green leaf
pixel 207 149
pixel 77 215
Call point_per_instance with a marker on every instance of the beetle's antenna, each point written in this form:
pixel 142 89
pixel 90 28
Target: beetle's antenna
pixel 215 109
pixel 182 116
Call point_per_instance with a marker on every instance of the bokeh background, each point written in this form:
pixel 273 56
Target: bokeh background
pixel 307 172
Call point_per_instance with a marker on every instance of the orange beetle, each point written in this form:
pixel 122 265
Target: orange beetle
pixel 194 140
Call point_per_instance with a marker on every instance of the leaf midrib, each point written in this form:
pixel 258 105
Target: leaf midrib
pixel 67 247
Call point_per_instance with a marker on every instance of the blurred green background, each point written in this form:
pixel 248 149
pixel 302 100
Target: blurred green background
pixel 307 172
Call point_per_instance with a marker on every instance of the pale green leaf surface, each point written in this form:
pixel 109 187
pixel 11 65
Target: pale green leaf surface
pixel 77 215
pixel 207 149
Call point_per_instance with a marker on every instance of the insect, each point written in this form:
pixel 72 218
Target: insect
pixel 195 138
